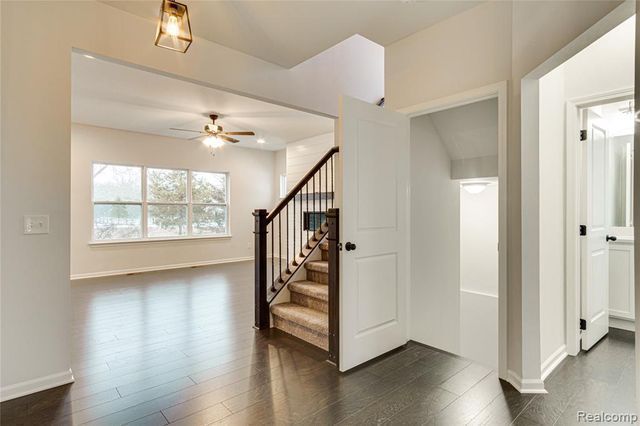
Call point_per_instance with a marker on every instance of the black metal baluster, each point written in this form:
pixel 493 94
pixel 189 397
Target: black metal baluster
pixel 287 243
pixel 308 217
pixel 301 224
pixel 332 196
pixel 273 259
pixel 313 192
pixel 280 247
pixel 295 253
pixel 320 193
pixel 326 188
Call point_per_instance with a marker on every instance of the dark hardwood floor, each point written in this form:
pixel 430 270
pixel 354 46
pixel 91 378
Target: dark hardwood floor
pixel 179 347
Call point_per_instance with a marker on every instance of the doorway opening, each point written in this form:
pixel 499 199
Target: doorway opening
pixel 458 250
pixel 582 195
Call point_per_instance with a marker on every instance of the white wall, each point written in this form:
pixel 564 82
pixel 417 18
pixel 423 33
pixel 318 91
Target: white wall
pixel 354 66
pixel 479 241
pixel 604 66
pixel 552 214
pixel 36 158
pixel 497 41
pixel 302 155
pixel 479 275
pixel 435 241
pixel 250 188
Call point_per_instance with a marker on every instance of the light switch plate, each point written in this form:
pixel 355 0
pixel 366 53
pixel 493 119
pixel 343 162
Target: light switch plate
pixel 36 224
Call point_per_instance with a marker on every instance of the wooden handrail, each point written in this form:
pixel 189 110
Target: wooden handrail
pixel 305 179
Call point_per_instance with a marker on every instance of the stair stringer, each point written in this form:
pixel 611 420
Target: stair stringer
pixel 284 295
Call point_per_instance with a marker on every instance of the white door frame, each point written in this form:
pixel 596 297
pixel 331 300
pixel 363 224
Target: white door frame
pixel 573 170
pixel 530 187
pixel 493 91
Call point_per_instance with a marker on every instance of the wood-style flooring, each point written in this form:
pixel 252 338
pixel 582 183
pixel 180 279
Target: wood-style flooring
pixel 178 347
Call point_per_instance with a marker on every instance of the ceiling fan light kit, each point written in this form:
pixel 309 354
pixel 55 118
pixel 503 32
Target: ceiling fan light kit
pixel 174 27
pixel 214 134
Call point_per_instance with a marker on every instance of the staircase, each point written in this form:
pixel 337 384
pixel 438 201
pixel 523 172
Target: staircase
pixel 306 315
pixel 296 249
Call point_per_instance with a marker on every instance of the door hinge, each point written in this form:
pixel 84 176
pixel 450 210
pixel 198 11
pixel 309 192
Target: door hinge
pixel 583 230
pixel 583 324
pixel 583 135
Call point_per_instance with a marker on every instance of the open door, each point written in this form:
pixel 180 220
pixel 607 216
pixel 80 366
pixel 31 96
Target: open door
pixel 594 245
pixel 374 151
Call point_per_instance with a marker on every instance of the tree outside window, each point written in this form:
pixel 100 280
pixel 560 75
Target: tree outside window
pixel 176 203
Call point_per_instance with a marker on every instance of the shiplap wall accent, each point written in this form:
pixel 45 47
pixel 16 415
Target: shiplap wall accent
pixel 302 155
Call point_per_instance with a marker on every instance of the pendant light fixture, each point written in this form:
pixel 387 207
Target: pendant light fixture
pixel 174 28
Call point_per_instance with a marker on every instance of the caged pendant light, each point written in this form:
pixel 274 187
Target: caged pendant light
pixel 174 28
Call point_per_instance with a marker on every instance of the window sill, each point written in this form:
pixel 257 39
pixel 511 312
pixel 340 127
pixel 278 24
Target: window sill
pixel 158 240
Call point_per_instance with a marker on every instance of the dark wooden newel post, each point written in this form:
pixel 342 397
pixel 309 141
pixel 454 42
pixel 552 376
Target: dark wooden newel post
pixel 333 220
pixel 261 305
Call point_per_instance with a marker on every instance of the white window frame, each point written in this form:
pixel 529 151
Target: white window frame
pixel 283 185
pixel 145 203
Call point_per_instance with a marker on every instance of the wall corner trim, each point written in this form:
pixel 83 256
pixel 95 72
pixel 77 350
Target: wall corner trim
pixel 525 385
pixel 36 385
pixel 553 361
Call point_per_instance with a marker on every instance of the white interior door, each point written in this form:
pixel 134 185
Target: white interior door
pixel 374 151
pixel 595 250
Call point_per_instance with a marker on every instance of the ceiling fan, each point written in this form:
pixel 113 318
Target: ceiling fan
pixel 216 131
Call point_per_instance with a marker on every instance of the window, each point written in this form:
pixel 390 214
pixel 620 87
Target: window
pixel 138 203
pixel 209 203
pixel 283 186
pixel 168 206
pixel 117 202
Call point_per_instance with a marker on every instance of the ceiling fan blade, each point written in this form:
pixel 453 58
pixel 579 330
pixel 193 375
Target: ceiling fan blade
pixel 187 130
pixel 194 138
pixel 228 139
pixel 239 133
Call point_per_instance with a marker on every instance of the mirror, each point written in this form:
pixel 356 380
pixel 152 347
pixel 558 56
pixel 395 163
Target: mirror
pixel 621 180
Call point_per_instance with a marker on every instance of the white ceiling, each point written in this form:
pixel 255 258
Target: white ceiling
pixel 289 32
pixel 469 131
pixel 110 95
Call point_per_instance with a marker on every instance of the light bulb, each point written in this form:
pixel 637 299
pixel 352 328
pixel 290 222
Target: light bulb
pixel 261 141
pixel 475 187
pixel 173 26
pixel 212 142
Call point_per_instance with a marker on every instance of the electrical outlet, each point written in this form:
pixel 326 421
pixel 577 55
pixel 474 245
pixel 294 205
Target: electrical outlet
pixel 36 224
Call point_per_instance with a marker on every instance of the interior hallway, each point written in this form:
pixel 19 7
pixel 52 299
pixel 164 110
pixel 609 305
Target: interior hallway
pixel 178 346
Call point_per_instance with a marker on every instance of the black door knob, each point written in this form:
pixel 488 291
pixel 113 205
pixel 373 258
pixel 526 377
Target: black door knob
pixel 350 246
pixel 611 238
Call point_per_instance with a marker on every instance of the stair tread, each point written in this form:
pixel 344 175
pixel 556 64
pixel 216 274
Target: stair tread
pixel 311 289
pixel 317 265
pixel 324 245
pixel 301 315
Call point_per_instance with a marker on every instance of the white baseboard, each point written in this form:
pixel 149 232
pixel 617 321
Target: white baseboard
pixel 36 385
pixel 157 268
pixel 622 323
pixel 552 362
pixel 525 385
